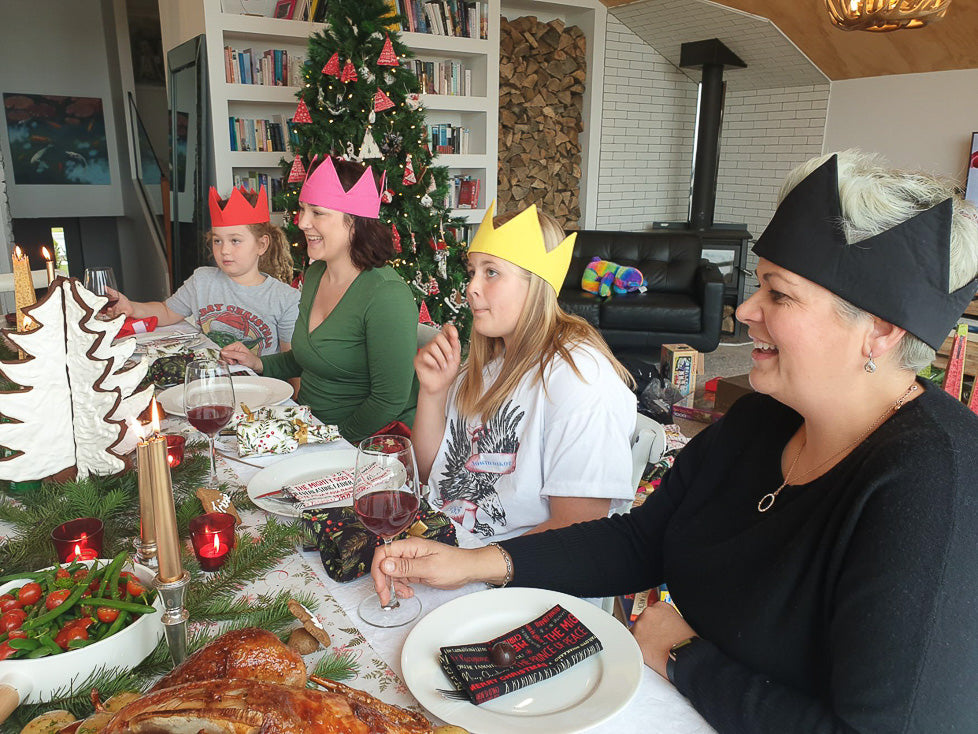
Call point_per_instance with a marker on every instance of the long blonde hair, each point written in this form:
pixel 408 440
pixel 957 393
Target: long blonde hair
pixel 277 259
pixel 543 331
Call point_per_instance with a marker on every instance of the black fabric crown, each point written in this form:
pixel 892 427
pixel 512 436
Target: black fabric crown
pixel 900 275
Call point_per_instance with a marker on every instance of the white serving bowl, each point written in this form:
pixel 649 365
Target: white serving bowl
pixel 125 649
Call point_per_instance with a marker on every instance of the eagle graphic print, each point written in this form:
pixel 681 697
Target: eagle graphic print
pixel 474 461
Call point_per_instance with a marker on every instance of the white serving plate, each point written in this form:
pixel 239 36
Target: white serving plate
pixel 252 390
pixel 581 697
pixel 296 469
pixel 125 649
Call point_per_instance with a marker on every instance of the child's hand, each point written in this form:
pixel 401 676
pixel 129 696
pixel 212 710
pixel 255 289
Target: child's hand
pixel 438 361
pixel 122 306
pixel 238 353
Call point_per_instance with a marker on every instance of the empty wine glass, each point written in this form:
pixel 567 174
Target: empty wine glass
pixel 208 400
pixel 97 280
pixel 386 499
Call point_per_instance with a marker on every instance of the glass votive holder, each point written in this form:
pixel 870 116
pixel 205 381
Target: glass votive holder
pixel 78 540
pixel 174 450
pixel 212 536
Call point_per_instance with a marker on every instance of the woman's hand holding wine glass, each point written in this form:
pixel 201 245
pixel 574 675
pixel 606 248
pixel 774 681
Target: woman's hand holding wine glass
pixel 386 498
pixel 208 400
pixel 101 281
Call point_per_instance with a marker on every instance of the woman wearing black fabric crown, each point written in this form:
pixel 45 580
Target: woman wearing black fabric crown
pixel 819 539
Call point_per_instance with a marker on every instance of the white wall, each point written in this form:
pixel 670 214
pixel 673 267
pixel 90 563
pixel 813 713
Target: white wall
pixel 76 64
pixel 916 120
pixel 646 135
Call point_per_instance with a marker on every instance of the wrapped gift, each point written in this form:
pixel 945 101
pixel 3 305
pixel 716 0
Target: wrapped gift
pixel 280 436
pixel 346 547
pixel 285 412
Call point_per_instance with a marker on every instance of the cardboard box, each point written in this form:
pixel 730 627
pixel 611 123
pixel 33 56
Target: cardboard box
pixel 679 362
pixel 686 409
pixel 729 390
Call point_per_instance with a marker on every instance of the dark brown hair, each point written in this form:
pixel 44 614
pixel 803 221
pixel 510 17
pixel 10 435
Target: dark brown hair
pixel 371 243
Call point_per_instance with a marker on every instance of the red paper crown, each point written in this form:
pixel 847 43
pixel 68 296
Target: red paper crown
pixel 238 211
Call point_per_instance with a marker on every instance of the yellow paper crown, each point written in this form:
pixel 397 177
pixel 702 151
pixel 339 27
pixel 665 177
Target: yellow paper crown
pixel 520 241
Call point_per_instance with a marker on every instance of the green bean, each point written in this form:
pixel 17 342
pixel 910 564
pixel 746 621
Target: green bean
pixel 50 644
pixel 58 610
pixel 118 624
pixel 40 652
pixel 34 575
pixel 24 643
pixel 111 576
pixel 125 605
pixel 75 644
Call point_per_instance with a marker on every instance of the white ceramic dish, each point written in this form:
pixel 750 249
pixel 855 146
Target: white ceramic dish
pixel 253 391
pixel 295 469
pixel 581 697
pixel 125 649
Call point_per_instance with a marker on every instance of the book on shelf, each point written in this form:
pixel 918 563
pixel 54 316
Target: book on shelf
pixel 274 67
pixel 468 194
pixel 444 17
pixel 251 135
pixel 284 9
pixel 255 180
pixel 442 77
pixel 447 138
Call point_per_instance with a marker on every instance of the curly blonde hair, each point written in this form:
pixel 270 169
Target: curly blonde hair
pixel 276 261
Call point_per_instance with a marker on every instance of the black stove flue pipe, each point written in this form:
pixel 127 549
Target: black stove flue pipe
pixel 711 56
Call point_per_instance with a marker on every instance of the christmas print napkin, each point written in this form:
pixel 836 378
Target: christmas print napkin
pixel 546 646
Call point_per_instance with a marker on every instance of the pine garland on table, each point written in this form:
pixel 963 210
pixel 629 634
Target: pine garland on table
pixel 212 598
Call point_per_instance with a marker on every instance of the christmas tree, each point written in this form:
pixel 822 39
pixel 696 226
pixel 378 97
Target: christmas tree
pixel 77 394
pixel 360 102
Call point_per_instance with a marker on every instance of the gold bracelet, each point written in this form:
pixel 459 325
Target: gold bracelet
pixel 509 567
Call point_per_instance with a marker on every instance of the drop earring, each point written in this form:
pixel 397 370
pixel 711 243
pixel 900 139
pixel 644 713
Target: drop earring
pixel 870 365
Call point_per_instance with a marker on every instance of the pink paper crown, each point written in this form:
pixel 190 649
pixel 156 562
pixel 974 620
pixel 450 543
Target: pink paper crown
pixel 322 188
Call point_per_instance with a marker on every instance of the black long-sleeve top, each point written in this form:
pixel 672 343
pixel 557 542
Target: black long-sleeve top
pixel 851 605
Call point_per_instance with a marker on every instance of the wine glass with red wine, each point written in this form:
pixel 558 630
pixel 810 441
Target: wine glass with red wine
pixel 208 400
pixel 97 280
pixel 386 499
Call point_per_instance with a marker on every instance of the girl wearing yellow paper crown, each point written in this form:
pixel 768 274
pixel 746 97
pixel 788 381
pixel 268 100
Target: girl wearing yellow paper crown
pixel 532 431
pixel 236 301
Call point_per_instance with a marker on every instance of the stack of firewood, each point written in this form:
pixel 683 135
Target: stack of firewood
pixel 542 69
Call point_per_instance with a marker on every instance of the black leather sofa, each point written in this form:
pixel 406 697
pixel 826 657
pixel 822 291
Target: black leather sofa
pixel 683 303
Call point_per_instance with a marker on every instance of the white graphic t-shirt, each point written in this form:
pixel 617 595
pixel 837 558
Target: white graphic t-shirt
pixel 572 440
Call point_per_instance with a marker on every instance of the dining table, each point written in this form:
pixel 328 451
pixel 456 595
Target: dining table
pixel 372 656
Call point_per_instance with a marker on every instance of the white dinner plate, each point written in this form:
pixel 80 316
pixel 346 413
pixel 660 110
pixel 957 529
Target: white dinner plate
pixel 581 697
pixel 253 391
pixel 296 469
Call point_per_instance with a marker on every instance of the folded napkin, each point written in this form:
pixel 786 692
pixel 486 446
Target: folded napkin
pixel 137 326
pixel 280 436
pixel 548 645
pixel 335 487
pixel 286 412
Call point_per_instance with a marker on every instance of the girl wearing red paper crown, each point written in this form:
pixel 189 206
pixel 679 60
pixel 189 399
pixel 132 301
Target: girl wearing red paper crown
pixel 356 334
pixel 237 301
pixel 532 431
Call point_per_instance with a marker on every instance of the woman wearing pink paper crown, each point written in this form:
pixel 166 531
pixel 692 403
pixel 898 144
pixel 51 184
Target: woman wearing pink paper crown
pixel 819 540
pixel 533 431
pixel 237 301
pixel 356 334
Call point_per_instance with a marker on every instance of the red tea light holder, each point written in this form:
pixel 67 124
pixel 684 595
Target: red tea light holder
pixel 78 540
pixel 174 450
pixel 213 538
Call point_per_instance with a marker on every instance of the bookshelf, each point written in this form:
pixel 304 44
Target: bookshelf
pixel 478 112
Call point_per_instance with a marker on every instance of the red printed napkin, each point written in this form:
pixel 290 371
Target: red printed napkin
pixel 548 645
pixel 137 326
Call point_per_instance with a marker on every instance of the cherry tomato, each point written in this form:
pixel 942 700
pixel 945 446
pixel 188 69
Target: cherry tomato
pixel 107 615
pixel 8 602
pixel 12 620
pixel 134 588
pixel 29 593
pixel 6 651
pixel 82 622
pixel 62 574
pixel 69 633
pixel 80 574
pixel 56 598
pixel 17 633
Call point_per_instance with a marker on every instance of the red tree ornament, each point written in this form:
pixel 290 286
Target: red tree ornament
pixel 333 65
pixel 423 316
pixel 387 55
pixel 409 178
pixel 298 172
pixel 301 113
pixel 382 101
pixel 349 73
pixel 387 197
pixel 396 236
pixel 433 288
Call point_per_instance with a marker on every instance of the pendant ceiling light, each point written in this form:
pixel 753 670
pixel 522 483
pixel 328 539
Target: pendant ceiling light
pixel 885 15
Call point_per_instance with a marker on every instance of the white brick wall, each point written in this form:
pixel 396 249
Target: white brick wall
pixel 766 133
pixel 649 110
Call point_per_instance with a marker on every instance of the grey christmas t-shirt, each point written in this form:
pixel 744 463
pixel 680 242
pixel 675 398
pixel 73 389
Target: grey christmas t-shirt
pixel 260 316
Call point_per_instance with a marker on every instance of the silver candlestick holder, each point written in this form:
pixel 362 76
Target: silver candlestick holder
pixel 146 553
pixel 175 615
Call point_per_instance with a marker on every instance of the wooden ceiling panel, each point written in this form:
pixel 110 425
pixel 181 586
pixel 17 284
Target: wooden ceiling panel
pixel 951 43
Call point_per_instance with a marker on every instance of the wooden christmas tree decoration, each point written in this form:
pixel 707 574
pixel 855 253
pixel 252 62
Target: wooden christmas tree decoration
pixel 77 395
pixel 301 113
pixel 297 174
pixel 387 55
pixel 332 67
